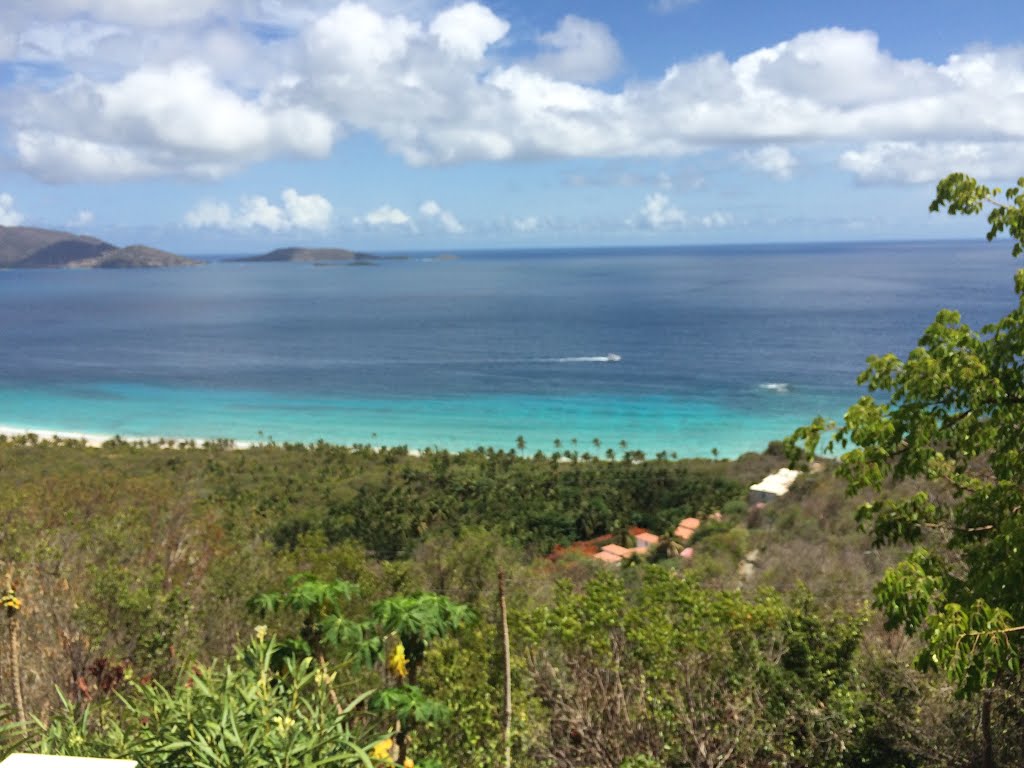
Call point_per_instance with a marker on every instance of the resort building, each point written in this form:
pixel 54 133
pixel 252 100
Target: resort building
pixel 775 486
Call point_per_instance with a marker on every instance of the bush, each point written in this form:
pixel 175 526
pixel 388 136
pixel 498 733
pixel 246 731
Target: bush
pixel 249 712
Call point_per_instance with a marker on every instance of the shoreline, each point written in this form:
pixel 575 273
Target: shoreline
pixel 96 440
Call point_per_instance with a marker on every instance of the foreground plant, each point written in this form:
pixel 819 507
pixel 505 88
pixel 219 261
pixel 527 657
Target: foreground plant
pixel 256 710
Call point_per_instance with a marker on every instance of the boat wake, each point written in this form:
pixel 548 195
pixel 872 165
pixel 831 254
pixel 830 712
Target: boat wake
pixel 611 357
pixel 774 386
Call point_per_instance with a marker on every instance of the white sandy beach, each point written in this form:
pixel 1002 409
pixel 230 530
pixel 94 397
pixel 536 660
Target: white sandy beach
pixel 97 440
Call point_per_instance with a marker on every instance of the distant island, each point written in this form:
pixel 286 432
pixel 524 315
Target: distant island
pixel 32 248
pixel 36 248
pixel 317 256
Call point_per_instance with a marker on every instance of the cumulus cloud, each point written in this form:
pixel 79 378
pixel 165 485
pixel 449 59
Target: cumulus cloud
pixel 354 39
pixel 9 217
pixel 387 216
pixel 716 219
pixel 659 213
pixel 437 87
pixel 580 50
pixel 157 120
pixel 467 30
pixel 446 219
pixel 926 163
pixel 526 224
pixel 303 212
pixel 82 219
pixel 774 160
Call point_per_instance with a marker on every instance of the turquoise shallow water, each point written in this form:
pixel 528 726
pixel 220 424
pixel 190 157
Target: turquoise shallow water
pixel 649 424
pixel 482 349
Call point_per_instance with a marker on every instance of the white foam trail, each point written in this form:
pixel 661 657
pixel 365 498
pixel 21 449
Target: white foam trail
pixel 774 386
pixel 590 359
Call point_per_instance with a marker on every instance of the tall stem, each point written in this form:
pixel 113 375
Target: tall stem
pixel 507 658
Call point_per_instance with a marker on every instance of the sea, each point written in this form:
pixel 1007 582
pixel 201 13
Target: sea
pixel 696 351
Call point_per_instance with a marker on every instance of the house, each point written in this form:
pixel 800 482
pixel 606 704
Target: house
pixel 773 487
pixel 645 540
pixel 686 528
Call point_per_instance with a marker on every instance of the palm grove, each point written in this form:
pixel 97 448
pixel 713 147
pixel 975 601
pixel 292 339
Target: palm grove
pixel 319 605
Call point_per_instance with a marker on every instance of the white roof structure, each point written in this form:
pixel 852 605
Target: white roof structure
pixel 777 483
pixel 53 761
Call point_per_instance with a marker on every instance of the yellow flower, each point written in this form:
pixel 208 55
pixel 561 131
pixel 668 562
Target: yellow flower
pixel 321 677
pixel 398 664
pixel 382 749
pixel 284 724
pixel 10 601
pixel 408 763
pixel 261 632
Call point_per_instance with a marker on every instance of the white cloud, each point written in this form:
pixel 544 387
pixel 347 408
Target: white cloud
pixel 582 50
pixel 303 212
pixel 659 213
pixel 387 216
pixel 122 101
pixel 355 39
pixel 82 219
pixel 156 120
pixel 926 163
pixel 467 30
pixel 667 6
pixel 774 160
pixel 307 211
pixel 716 219
pixel 9 217
pixel 447 219
pixel 527 224
pixel 138 12
pixel 210 214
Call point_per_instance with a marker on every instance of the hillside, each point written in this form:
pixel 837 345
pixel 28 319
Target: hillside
pixel 34 248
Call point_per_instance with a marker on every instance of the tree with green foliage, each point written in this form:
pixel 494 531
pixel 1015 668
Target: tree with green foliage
pixel 952 416
pixel 412 623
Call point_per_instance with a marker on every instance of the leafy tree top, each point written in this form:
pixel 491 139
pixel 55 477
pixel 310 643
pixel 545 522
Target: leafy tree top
pixel 951 418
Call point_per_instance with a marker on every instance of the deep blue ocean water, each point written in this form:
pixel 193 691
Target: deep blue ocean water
pixel 721 347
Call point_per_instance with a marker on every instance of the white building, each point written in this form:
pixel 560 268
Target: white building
pixel 774 486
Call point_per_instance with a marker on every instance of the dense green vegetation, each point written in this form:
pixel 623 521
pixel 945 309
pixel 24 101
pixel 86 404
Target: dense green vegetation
pixel 136 563
pixel 294 605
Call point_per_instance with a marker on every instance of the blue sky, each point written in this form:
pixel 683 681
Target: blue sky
pixel 231 126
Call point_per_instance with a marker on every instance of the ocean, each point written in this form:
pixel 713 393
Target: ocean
pixel 720 348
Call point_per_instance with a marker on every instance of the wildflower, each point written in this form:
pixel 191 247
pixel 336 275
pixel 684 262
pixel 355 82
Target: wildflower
pixel 261 632
pixel 382 749
pixel 284 724
pixel 398 664
pixel 323 678
pixel 408 763
pixel 10 601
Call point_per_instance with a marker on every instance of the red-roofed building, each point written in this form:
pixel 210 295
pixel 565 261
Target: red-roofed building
pixel 615 549
pixel 645 540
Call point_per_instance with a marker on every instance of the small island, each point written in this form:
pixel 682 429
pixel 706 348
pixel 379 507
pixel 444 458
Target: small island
pixel 34 248
pixel 313 256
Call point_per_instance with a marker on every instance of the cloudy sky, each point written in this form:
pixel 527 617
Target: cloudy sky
pixel 230 126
